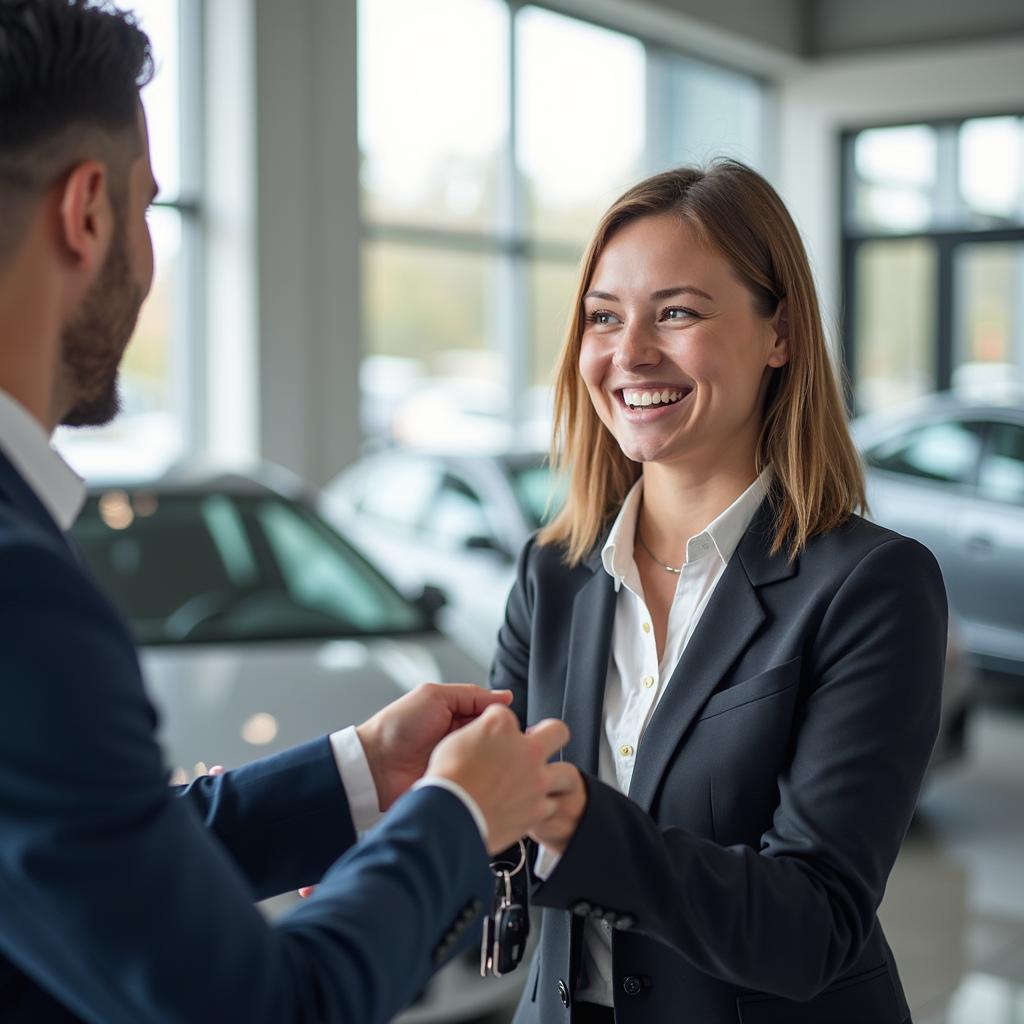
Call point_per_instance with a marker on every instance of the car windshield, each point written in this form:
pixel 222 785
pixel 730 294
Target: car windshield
pixel 220 567
pixel 539 492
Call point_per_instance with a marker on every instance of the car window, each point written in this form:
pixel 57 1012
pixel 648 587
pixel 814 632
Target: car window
pixel 946 451
pixel 539 492
pixel 398 491
pixel 1001 476
pixel 221 567
pixel 457 513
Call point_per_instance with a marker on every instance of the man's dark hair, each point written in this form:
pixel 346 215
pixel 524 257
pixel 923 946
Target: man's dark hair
pixel 70 75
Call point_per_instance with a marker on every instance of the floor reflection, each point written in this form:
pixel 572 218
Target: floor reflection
pixel 954 910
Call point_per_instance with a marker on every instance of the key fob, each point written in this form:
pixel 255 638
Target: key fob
pixel 511 930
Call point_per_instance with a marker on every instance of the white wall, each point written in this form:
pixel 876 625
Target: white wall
pixel 817 101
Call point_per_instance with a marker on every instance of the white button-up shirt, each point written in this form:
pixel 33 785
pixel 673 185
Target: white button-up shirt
pixel 636 678
pixel 62 492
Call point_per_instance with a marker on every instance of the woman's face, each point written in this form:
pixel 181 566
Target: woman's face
pixel 673 354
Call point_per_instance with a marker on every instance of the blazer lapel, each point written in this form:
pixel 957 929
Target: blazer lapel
pixel 732 617
pixel 590 637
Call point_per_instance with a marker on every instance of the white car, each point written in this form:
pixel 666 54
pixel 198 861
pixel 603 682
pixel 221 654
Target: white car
pixel 262 627
pixel 456 522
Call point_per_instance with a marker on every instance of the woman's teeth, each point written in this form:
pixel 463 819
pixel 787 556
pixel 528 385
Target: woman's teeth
pixel 634 398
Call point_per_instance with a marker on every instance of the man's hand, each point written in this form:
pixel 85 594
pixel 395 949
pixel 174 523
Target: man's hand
pixel 569 796
pixel 505 771
pixel 400 738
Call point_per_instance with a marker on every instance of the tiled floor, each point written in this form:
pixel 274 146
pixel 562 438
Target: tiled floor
pixel 954 911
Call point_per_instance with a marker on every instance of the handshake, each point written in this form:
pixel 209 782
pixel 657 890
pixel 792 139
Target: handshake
pixel 469 736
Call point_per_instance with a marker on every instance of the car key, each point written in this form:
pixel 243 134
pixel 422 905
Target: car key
pixel 511 929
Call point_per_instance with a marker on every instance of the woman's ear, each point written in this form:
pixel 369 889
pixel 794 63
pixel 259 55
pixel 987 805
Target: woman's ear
pixel 779 353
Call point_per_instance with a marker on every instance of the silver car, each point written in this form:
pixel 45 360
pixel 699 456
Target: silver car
pixel 262 627
pixel 452 521
pixel 949 470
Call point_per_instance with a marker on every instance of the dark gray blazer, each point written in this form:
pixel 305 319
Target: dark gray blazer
pixel 772 789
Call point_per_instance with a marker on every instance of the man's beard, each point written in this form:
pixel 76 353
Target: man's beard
pixel 94 341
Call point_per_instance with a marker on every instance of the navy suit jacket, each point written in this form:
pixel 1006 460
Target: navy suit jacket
pixel 125 902
pixel 772 788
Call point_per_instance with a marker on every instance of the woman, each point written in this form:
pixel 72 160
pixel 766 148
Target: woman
pixel 751 672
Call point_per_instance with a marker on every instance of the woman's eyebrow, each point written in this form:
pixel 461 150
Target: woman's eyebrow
pixel 662 293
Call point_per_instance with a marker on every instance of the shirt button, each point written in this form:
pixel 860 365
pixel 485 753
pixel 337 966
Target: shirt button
pixel 648 682
pixel 647 627
pixel 626 750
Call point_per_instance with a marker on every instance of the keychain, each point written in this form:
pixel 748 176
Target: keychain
pixel 507 926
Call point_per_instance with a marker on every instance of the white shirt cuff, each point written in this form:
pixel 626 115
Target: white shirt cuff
pixel 546 862
pixel 456 790
pixel 356 778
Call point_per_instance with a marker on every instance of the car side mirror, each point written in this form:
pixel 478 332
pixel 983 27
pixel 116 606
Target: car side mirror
pixel 431 600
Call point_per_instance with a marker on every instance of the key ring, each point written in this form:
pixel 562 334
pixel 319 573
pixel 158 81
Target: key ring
pixel 499 873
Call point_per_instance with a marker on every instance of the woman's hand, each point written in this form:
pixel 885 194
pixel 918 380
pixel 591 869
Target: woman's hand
pixel 570 796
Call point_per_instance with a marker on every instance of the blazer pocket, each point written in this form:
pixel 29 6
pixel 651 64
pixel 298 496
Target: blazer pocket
pixel 870 996
pixel 764 684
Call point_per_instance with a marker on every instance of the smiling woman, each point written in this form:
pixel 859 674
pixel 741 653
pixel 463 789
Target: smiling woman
pixel 751 672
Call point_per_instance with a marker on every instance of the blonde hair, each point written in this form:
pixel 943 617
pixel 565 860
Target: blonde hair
pixel 804 435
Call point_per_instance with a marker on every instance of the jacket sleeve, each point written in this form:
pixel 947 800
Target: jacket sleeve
pixel 283 819
pixel 118 901
pixel 789 917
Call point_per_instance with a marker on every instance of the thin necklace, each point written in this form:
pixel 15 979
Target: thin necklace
pixel 643 544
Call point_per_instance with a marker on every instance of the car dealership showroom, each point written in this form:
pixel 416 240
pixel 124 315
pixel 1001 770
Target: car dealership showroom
pixel 397 351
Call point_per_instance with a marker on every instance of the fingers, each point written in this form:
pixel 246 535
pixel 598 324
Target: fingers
pixel 217 769
pixel 562 778
pixel 550 736
pixel 465 700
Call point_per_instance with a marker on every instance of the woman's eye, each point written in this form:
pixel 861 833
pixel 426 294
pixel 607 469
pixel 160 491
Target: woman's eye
pixel 679 313
pixel 601 317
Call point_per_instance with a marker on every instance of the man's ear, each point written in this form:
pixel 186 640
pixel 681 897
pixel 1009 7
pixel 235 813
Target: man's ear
pixel 779 354
pixel 86 220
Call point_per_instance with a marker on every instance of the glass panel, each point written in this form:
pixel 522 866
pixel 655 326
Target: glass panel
pixel 1001 476
pixel 709 112
pixel 159 19
pixel 895 317
pixel 539 492
pixel 431 376
pixel 148 434
pixel 433 110
pixel 946 452
pixel 895 175
pixel 988 347
pixel 992 166
pixel 580 130
pixel 553 289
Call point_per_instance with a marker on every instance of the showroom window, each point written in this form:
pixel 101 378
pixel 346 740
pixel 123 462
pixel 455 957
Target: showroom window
pixel 492 136
pixel 160 383
pixel 933 259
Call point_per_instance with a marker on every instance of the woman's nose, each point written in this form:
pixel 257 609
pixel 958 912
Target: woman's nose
pixel 636 347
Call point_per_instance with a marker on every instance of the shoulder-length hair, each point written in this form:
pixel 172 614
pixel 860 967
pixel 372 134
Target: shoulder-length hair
pixel 804 436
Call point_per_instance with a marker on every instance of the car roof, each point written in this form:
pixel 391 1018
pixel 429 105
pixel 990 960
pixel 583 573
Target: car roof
pixel 1006 405
pixel 194 476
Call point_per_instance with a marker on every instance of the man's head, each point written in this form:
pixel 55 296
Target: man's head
pixel 75 182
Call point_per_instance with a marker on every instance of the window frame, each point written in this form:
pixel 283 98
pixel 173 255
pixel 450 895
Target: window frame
pixel 511 242
pixel 946 242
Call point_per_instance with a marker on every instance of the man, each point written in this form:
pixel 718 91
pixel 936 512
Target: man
pixel 120 899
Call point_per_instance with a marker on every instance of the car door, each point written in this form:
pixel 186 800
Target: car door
pixel 921 481
pixel 986 563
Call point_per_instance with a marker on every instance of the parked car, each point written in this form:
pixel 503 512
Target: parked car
pixel 949 470
pixel 453 521
pixel 261 627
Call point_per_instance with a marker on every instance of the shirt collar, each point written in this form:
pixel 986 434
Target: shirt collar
pixel 721 536
pixel 27 446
